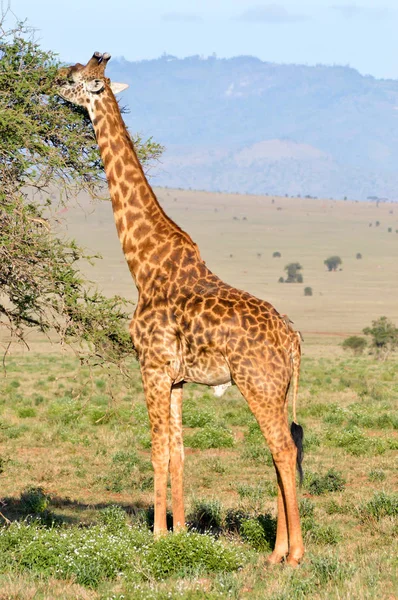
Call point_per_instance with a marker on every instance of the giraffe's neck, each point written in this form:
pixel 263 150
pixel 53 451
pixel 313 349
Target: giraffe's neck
pixel 148 237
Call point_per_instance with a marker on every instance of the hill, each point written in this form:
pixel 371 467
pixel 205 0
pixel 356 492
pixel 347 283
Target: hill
pixel 244 125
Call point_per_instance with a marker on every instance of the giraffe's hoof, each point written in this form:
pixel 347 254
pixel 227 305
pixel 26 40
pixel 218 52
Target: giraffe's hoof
pixel 275 558
pixel 293 561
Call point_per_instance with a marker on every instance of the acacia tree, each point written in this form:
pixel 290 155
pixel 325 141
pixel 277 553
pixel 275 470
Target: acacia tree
pixel 384 336
pixel 332 263
pixel 43 143
pixel 293 273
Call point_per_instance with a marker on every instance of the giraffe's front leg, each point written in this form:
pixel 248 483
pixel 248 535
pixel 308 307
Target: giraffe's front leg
pixel 157 387
pixel 177 457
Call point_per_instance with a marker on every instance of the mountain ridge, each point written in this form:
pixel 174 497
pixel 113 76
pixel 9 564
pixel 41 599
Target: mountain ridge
pixel 241 124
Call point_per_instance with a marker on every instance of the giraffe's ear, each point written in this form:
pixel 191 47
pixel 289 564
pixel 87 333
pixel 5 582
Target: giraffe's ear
pixel 118 87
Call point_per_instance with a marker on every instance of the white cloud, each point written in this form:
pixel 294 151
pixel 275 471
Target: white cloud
pixel 354 11
pixel 270 13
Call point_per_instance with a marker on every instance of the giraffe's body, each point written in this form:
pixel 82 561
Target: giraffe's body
pixel 189 326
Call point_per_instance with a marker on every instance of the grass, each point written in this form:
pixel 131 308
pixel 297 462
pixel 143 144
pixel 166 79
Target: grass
pixel 77 485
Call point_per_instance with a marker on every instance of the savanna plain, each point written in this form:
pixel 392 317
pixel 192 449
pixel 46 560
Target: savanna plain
pixel 75 472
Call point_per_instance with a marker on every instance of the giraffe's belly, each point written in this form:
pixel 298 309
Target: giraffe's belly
pixel 211 369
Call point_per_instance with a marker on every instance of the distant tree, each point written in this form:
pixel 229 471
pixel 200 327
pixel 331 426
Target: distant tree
pixel 358 256
pixel 308 291
pixel 377 223
pixel 332 263
pixel 389 229
pixel 281 280
pixel 355 343
pixel 384 336
pixel 293 273
pixel 276 254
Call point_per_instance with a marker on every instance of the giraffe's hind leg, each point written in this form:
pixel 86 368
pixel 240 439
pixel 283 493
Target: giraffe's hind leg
pixel 266 396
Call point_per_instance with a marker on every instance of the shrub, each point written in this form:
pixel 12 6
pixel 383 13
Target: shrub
pixel 293 273
pixel 354 343
pixel 26 412
pixel 253 533
pixel 210 436
pixel 194 417
pixel 34 501
pixel 381 505
pixel 384 336
pixel 306 508
pixel 281 280
pixel 332 263
pixel 326 568
pixel 332 481
pixel 321 534
pixel 113 518
pixel 308 291
pixel 256 492
pixel 376 475
pixel 206 516
pixel 189 553
pixel 276 255
pixel 358 256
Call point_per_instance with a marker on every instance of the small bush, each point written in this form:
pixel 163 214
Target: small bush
pixel 26 412
pixel 322 534
pixel 194 417
pixel 332 481
pixel 206 516
pixel 253 533
pixel 186 553
pixel 276 254
pixel 258 453
pixel 308 291
pixel 358 256
pixel 381 505
pixel 306 508
pixel 210 436
pixel 281 280
pixel 113 518
pixel 34 501
pixel 257 492
pixel 376 475
pixel 354 343
pixel 352 440
pixel 326 568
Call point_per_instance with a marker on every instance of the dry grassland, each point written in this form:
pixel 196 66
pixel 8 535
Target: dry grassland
pixel 238 234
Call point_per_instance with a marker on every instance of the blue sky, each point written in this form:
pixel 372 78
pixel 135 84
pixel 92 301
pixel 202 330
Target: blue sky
pixel 361 34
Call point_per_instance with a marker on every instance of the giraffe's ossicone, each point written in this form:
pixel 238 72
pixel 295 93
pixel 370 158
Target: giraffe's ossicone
pixel 188 324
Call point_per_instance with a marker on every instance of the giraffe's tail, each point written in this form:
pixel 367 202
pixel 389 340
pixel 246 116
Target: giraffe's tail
pixel 296 430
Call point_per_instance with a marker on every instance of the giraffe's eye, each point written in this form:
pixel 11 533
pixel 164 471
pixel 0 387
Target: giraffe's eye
pixel 95 85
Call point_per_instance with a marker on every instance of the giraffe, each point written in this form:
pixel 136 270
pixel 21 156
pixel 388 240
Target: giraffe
pixel 188 325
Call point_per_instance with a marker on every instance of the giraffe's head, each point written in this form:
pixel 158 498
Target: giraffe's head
pixel 80 84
